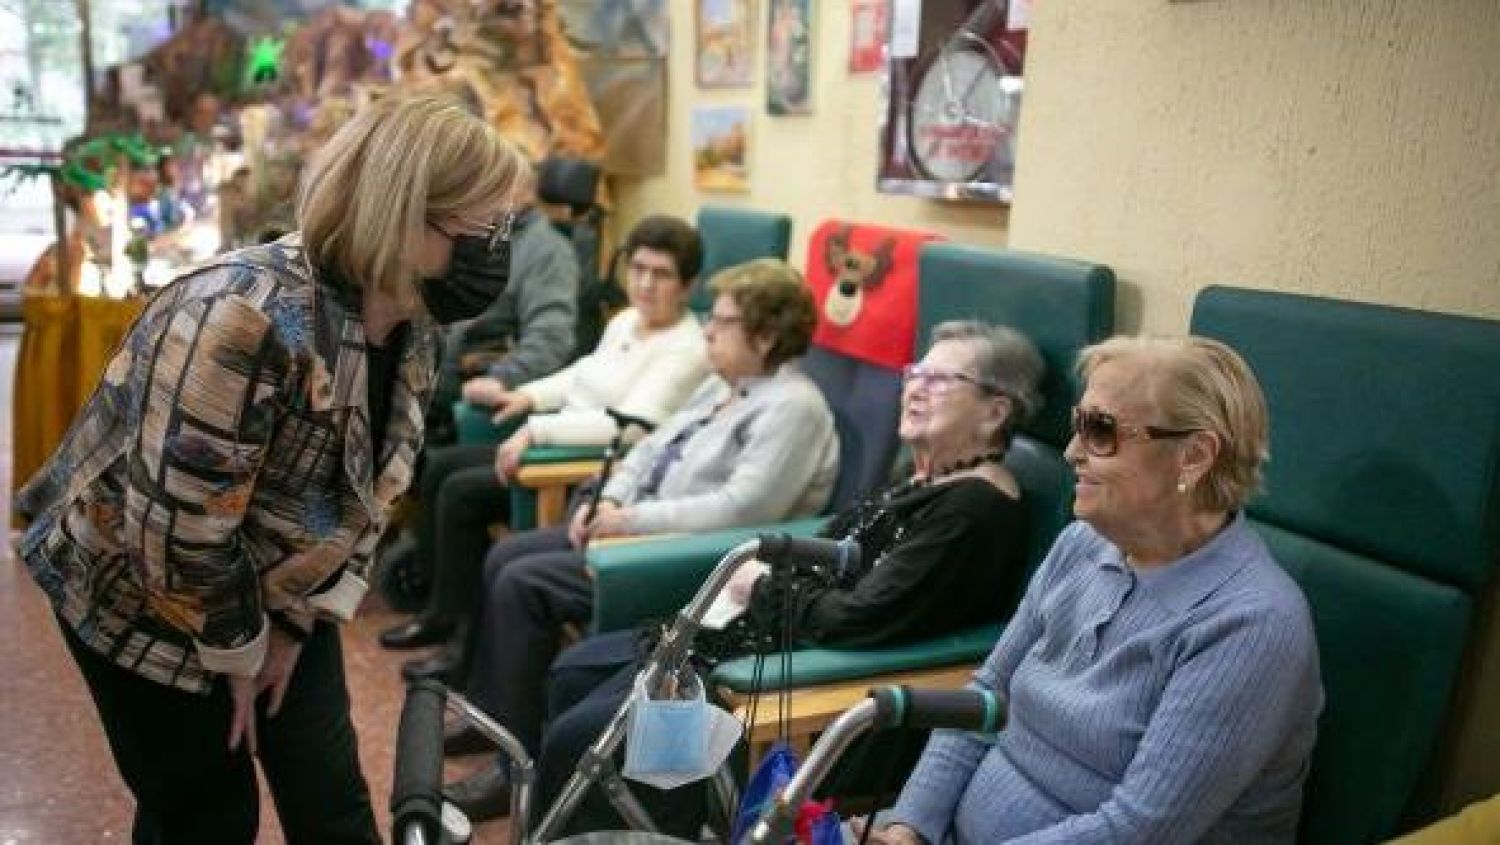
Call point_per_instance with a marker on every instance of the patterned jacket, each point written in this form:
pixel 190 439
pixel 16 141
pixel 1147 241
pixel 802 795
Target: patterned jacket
pixel 222 469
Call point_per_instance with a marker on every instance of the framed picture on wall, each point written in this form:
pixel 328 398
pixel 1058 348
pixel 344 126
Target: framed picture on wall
pixel 789 40
pixel 954 85
pixel 725 46
pixel 869 21
pixel 721 145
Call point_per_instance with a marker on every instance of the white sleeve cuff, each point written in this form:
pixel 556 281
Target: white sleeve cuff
pixel 342 599
pixel 243 661
pixel 545 398
pixel 642 518
pixel 538 426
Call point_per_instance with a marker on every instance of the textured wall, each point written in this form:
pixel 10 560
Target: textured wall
pixel 812 167
pixel 1349 148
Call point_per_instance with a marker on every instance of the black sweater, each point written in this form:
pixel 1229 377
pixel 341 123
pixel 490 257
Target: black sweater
pixel 934 560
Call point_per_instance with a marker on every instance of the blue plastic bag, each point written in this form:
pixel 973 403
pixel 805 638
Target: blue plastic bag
pixel 769 778
pixel 766 782
pixel 828 829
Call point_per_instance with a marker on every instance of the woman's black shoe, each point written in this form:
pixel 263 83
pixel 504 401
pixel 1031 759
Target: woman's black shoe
pixel 463 739
pixel 417 633
pixel 482 796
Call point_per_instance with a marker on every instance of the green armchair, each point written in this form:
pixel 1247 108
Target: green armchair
pixel 539 496
pixel 1382 500
pixel 733 236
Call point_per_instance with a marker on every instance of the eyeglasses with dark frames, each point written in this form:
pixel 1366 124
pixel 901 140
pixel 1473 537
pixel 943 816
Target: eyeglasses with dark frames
pixel 497 232
pixel 1100 433
pixel 941 381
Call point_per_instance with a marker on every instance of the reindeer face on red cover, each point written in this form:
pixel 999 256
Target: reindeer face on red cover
pixel 853 273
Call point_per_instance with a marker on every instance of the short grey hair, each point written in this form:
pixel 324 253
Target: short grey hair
pixel 1006 360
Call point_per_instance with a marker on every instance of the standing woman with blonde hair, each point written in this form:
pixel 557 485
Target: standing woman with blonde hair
pixel 215 505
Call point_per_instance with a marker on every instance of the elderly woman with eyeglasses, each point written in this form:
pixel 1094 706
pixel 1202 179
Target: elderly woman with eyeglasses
pixel 937 548
pixel 1161 672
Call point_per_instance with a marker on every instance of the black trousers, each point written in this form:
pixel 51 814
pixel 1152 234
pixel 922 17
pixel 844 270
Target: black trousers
pixel 460 498
pixel 535 582
pixel 171 748
pixel 587 685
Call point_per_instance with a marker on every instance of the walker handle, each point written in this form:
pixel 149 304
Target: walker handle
pixel 964 709
pixel 801 554
pixel 417 786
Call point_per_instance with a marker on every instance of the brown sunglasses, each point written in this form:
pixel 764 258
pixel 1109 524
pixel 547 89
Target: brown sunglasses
pixel 1100 433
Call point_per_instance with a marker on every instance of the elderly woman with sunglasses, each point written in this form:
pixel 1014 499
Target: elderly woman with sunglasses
pixel 1161 671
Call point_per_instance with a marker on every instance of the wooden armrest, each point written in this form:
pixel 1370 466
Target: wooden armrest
pixel 551 483
pixel 551 475
pixel 814 708
pixel 627 539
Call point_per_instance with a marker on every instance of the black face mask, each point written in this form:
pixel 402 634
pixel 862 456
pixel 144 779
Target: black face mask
pixel 475 279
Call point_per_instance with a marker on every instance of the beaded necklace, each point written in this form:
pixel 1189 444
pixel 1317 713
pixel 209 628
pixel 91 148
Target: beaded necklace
pixel 995 457
pixel 879 508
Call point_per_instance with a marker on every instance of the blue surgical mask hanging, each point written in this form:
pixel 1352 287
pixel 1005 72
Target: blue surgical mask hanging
pixel 676 741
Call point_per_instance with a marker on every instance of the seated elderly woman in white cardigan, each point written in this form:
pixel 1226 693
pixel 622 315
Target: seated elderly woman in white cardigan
pixel 649 361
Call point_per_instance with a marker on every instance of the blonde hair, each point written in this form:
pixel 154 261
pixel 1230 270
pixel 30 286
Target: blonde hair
pixel 773 302
pixel 403 161
pixel 1198 383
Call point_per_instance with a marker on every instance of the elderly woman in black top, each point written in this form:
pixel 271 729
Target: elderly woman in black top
pixel 937 548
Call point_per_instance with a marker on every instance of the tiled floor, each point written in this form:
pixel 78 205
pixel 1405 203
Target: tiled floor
pixel 58 785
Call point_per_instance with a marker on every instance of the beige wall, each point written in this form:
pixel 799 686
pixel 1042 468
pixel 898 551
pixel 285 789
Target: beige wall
pixel 811 166
pixel 1341 147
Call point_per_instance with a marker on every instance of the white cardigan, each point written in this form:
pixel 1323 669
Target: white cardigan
pixel 647 378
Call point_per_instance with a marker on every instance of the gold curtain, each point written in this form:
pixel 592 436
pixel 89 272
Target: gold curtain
pixel 67 343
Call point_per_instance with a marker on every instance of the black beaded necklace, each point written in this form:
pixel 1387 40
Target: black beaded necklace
pixel 881 521
pixel 995 457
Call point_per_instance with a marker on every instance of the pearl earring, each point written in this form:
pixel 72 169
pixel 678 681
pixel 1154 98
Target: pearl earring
pixel 1182 485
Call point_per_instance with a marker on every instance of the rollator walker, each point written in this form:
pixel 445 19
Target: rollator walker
pixel 417 808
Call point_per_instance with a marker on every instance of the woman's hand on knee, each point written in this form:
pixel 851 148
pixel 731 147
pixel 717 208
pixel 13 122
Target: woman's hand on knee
pixel 610 520
pixel 578 528
pixel 508 456
pixel 276 672
pixel 891 834
pixel 483 391
pixel 242 717
pixel 511 404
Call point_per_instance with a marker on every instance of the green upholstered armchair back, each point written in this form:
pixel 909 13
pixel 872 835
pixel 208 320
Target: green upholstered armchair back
pixel 1382 498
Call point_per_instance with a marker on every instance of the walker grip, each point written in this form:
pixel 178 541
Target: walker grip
pixel 805 554
pixel 417 788
pixel 965 710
